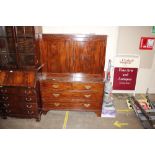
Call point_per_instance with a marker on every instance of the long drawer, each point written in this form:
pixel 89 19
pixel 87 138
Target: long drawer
pixel 51 85
pixel 72 105
pixel 15 99
pixel 20 108
pixel 68 95
pixel 16 90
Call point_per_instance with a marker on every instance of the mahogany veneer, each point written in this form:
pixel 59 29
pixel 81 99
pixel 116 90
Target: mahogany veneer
pixel 19 94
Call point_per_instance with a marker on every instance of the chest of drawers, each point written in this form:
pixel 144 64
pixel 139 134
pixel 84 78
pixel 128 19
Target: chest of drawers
pixel 72 92
pixel 19 95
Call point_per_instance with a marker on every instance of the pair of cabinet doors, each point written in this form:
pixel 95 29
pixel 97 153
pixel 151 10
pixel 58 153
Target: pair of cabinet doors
pixel 73 53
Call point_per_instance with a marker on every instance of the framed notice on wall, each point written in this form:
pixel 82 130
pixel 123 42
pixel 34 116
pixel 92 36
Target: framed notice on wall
pixel 124 78
pixel 146 43
pixel 125 72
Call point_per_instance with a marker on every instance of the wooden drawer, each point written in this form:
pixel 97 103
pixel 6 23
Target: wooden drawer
pixel 16 90
pixel 88 95
pixel 68 95
pixel 30 112
pixel 12 108
pixel 72 105
pixel 50 85
pixel 10 111
pixel 20 108
pixel 30 106
pixel 88 86
pixel 16 99
pixel 30 109
pixel 52 95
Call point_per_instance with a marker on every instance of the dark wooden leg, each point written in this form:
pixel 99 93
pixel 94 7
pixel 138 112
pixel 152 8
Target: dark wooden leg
pixel 98 113
pixel 39 115
pixel 4 117
pixel 44 112
pixel 38 118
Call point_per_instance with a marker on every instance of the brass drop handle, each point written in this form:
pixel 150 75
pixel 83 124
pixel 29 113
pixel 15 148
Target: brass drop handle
pixel 30 112
pixel 5 98
pixel 6 105
pixel 27 91
pixel 87 95
pixel 28 99
pixel 3 90
pixel 87 105
pixel 55 86
pixel 87 87
pixel 56 104
pixel 29 106
pixel 56 95
pixel 8 111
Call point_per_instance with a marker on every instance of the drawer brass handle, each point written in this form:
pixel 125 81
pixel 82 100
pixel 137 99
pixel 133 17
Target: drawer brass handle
pixel 29 106
pixel 87 87
pixel 3 90
pixel 29 91
pixel 8 111
pixel 6 105
pixel 56 104
pixel 87 105
pixel 5 98
pixel 28 99
pixel 87 96
pixel 30 112
pixel 56 95
pixel 55 86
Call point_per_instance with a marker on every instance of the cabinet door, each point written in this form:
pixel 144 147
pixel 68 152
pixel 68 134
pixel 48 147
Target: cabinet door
pixel 55 54
pixel 88 56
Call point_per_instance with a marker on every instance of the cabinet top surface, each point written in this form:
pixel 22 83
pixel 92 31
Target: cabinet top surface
pixel 71 77
pixel 17 78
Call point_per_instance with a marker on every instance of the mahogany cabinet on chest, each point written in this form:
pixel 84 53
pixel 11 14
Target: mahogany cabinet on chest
pixel 73 72
pixel 19 64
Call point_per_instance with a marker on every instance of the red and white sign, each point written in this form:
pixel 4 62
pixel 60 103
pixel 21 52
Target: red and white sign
pixel 146 43
pixel 125 78
pixel 125 72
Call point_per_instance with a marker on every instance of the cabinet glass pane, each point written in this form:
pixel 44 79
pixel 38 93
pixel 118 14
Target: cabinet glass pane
pixel 25 45
pixel 2 30
pixel 29 30
pixel 11 45
pixel 3 45
pixel 20 30
pixel 26 59
pixel 25 31
pixel 9 31
pixel 8 60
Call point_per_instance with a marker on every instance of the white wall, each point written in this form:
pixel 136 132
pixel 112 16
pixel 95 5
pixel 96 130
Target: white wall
pixel 128 43
pixel 110 31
